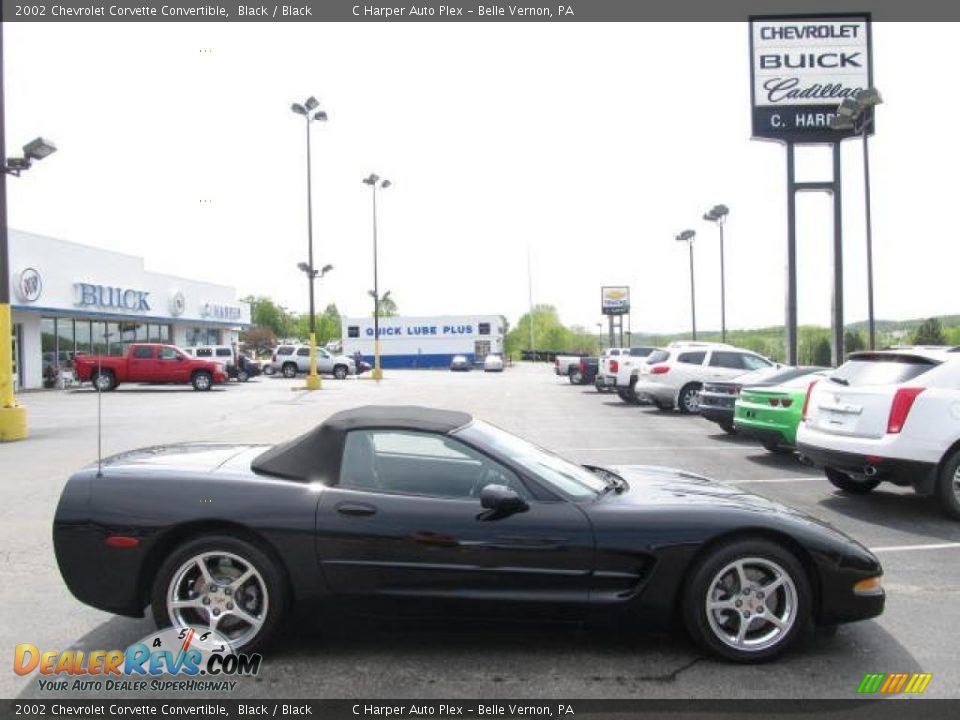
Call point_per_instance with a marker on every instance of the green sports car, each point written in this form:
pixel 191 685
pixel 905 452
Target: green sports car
pixel 771 415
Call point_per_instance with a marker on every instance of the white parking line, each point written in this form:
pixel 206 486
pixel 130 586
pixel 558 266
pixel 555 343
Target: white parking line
pixel 663 448
pixel 908 548
pixel 803 478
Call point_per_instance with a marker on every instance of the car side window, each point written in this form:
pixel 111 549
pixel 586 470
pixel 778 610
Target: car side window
pixel 730 360
pixel 224 352
pixel 204 352
pixel 303 352
pixel 168 353
pixel 418 463
pixel 755 362
pixel 143 352
pixel 692 358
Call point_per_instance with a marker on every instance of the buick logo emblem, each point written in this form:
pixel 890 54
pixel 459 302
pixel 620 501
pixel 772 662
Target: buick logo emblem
pixel 178 304
pixel 29 285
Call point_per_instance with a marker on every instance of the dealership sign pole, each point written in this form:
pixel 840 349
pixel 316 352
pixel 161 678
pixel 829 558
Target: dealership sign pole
pixel 615 303
pixel 801 68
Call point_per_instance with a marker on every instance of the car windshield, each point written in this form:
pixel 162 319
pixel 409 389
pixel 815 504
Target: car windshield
pixel 561 474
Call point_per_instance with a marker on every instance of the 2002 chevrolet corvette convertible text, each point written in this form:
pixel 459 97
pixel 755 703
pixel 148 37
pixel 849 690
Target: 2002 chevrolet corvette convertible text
pixel 398 506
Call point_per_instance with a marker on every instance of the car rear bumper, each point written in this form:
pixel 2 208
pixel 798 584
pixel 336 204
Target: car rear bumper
pixel 764 435
pixel 719 415
pixel 607 380
pixel 922 476
pixel 654 391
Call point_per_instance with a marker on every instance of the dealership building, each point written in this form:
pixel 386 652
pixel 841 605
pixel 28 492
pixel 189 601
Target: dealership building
pixel 424 342
pixel 69 298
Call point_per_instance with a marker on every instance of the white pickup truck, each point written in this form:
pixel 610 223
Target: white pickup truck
pixel 563 363
pixel 619 370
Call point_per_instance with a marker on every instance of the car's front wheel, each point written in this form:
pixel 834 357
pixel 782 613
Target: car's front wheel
pixel 948 486
pixel 850 484
pixel 202 381
pixel 340 372
pixel 243 376
pixel 747 600
pixel 224 583
pixel 104 381
pixel 289 370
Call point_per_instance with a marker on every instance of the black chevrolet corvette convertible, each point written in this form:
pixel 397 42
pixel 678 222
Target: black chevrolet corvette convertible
pixel 403 508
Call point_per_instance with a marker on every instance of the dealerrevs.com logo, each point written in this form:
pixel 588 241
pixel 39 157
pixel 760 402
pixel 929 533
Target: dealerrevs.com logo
pixel 198 659
pixel 894 683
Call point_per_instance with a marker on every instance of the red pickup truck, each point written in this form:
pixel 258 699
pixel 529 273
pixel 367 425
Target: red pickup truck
pixel 149 363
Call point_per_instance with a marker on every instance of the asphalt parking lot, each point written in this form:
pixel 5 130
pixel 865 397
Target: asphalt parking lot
pixel 918 547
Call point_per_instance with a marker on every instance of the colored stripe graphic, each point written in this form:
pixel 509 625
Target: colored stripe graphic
pixel 894 683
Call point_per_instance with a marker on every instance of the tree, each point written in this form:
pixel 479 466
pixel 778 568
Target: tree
pixel 328 325
pixel 386 307
pixel 853 341
pixel 258 339
pixel 821 353
pixel 265 313
pixel 930 332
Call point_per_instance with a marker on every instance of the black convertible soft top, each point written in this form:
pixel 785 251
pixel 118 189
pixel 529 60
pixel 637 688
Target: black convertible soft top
pixel 316 454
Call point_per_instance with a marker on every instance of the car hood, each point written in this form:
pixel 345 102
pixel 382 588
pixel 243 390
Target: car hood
pixel 667 486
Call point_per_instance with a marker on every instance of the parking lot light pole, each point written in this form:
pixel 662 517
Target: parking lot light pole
pixel 856 115
pixel 374 181
pixel 13 417
pixel 307 109
pixel 718 214
pixel 687 236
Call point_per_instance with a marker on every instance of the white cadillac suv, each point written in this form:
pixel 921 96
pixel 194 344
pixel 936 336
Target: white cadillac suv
pixel 892 416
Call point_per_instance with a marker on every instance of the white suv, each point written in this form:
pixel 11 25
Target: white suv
pixel 673 377
pixel 291 359
pixel 888 415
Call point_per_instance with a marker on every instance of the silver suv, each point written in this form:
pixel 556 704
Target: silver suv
pixel 293 359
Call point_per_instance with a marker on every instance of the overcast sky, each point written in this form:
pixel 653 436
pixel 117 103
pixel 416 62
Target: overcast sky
pixel 591 145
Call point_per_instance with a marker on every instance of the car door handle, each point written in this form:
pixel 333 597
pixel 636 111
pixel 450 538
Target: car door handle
pixel 356 509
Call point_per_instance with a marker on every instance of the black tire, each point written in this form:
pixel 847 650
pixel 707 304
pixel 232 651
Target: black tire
pixel 340 372
pixel 202 381
pixel 268 370
pixel 104 380
pixel 948 486
pixel 850 484
pixel 791 601
pixel 688 401
pixel 274 596
pixel 729 429
pixel 289 370
pixel 243 376
pixel 576 377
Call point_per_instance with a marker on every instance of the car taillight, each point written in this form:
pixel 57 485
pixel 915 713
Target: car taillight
pixel 614 366
pixel 780 402
pixel 806 400
pixel 583 366
pixel 659 369
pixel 902 402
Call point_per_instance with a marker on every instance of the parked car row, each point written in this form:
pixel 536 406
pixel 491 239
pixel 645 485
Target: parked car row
pixel 493 362
pixel 882 416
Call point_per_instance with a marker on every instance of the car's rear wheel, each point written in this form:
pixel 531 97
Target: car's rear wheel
pixel 340 372
pixel 850 484
pixel 576 377
pixel 224 583
pixel 776 449
pixel 202 381
pixel 747 600
pixel 103 380
pixel 243 376
pixel 689 399
pixel 948 486
pixel 289 370
pixel 268 370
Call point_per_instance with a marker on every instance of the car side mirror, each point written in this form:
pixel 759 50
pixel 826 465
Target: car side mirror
pixel 501 500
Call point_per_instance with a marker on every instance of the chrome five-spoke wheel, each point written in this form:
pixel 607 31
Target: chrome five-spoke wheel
pixel 227 583
pixel 751 604
pixel 221 591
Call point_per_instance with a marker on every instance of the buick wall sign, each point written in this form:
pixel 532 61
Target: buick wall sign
pixel 178 304
pixel 29 285
pixel 801 68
